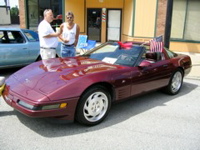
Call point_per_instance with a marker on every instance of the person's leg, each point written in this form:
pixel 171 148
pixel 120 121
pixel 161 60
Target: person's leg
pixel 64 51
pixel 47 53
pixel 72 51
pixel 52 53
pixel 43 53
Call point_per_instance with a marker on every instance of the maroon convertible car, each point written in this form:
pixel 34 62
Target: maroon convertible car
pixel 83 88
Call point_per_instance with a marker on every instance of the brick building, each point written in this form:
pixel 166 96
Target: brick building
pixel 124 20
pixel 5 11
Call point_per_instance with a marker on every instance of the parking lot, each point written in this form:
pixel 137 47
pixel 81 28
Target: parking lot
pixel 152 122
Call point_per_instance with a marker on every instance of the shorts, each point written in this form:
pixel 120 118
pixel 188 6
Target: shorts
pixel 47 53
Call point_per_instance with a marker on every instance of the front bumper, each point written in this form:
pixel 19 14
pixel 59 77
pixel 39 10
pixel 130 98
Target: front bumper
pixel 67 113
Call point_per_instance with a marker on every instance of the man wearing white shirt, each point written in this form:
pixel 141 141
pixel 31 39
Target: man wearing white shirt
pixel 48 37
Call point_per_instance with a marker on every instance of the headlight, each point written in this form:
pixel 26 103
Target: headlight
pixel 45 107
pixel 26 105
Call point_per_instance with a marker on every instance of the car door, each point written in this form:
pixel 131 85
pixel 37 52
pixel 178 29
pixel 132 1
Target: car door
pixel 155 76
pixel 14 51
pixel 33 44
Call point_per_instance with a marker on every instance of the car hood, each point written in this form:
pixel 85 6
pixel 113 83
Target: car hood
pixel 50 75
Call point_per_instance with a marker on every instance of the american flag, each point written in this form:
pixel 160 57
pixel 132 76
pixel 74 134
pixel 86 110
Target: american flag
pixel 156 46
pixel 158 38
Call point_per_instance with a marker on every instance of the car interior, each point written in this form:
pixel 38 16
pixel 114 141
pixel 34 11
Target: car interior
pixel 11 37
pixel 154 56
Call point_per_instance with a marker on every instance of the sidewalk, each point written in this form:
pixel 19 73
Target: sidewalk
pixel 195 71
pixel 10 26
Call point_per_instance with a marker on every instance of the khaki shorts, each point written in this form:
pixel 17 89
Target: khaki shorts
pixel 47 53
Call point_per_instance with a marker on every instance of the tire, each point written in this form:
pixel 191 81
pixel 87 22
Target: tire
pixel 93 107
pixel 175 83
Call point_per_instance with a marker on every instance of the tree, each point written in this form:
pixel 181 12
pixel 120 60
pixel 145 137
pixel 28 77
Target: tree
pixel 14 11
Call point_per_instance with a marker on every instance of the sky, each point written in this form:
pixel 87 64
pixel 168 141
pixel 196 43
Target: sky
pixel 13 3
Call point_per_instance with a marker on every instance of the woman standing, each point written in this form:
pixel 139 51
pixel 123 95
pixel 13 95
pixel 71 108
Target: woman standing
pixel 69 36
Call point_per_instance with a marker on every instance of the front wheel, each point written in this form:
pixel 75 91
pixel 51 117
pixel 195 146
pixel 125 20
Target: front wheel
pixel 93 106
pixel 175 83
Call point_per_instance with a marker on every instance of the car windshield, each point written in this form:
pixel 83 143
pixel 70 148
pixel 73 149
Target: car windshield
pixel 114 54
pixel 32 36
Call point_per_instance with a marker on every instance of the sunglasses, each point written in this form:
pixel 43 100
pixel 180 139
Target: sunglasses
pixel 69 17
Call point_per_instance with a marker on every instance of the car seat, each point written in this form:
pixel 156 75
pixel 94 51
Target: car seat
pixel 151 56
pixel 156 56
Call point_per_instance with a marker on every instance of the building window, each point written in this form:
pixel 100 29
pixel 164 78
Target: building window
pixel 185 22
pixel 35 9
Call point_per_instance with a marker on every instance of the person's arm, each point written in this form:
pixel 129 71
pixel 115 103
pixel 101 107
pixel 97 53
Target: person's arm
pixel 56 34
pixel 77 34
pixel 60 35
pixel 61 31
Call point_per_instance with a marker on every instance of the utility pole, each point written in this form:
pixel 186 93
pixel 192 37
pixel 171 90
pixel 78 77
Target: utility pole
pixel 168 23
pixel 6 6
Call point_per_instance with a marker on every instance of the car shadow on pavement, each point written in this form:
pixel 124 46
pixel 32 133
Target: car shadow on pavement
pixel 7 113
pixel 8 71
pixel 119 113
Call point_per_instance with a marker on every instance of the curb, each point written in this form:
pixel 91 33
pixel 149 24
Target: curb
pixel 192 77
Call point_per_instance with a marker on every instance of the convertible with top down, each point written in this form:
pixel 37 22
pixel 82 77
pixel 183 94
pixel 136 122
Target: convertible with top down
pixel 83 88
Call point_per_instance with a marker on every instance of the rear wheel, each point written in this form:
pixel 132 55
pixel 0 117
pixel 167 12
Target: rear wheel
pixel 175 83
pixel 94 106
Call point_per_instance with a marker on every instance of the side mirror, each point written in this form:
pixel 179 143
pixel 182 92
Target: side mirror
pixel 144 64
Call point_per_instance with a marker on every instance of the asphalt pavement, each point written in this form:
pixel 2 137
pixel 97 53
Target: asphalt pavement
pixel 154 121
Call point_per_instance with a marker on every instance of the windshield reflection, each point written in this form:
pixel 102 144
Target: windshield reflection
pixel 114 54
